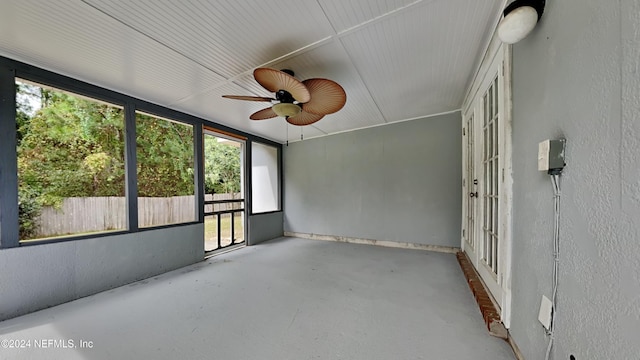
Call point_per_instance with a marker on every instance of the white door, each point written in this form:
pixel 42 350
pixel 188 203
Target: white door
pixel 490 239
pixel 485 219
pixel 470 187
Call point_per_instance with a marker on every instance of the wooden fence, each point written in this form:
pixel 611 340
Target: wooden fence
pixel 85 215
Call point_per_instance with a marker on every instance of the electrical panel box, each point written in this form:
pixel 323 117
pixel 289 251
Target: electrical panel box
pixel 551 155
pixel 545 313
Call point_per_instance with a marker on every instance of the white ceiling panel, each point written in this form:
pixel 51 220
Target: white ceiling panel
pixel 211 106
pixel 228 37
pixel 414 62
pixel 345 15
pixel 281 130
pixel 76 40
pixel 396 59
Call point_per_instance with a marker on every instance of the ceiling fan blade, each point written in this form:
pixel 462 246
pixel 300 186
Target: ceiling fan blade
pixel 327 96
pixel 274 80
pixel 304 118
pixel 248 98
pixel 263 114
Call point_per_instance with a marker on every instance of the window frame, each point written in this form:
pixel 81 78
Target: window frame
pixel 96 99
pixel 195 177
pixel 11 70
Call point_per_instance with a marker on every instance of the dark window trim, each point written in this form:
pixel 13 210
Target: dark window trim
pixel 166 226
pixel 131 167
pixel 266 213
pixel 102 234
pixel 9 226
pixel 62 82
pixel 73 238
pixel 11 69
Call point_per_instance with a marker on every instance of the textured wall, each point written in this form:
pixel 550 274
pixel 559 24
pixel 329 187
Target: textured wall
pixel 399 182
pixel 263 227
pixel 577 76
pixel 37 277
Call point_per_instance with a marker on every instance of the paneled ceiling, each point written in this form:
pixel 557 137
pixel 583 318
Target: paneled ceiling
pixel 396 59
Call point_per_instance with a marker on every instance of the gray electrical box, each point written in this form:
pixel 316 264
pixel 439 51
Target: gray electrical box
pixel 551 155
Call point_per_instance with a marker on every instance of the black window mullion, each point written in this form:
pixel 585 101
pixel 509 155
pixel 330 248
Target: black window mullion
pixel 248 178
pixel 280 178
pixel 9 223
pixel 198 170
pixel 131 173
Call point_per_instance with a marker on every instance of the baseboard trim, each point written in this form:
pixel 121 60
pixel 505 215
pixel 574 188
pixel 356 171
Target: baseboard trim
pixel 384 243
pixel 515 348
pixel 209 254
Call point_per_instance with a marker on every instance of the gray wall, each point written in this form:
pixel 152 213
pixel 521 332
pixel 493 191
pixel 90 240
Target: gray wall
pixel 399 182
pixel 37 277
pixel 578 76
pixel 263 227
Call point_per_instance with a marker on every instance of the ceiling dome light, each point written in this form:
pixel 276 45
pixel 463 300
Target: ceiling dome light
pixel 520 17
pixel 286 109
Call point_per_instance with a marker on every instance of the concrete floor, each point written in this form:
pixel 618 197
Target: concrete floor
pixel 284 299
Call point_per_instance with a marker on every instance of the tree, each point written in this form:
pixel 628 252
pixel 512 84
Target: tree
pixel 27 98
pixel 71 147
pixel 165 156
pixel 222 166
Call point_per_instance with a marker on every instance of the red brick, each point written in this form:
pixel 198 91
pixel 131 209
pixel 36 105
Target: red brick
pixel 488 310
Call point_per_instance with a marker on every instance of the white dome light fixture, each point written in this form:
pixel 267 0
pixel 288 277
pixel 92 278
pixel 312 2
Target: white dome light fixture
pixel 286 110
pixel 520 17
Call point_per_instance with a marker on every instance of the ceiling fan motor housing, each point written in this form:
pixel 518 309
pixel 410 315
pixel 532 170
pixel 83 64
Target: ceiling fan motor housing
pixel 284 96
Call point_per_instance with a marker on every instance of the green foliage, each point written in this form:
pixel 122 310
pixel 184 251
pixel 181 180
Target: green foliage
pixel 222 166
pixel 26 97
pixel 165 157
pixel 28 210
pixel 70 146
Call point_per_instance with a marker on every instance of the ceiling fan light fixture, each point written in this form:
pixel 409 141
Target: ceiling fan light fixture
pixel 286 109
pixel 520 17
pixel 293 98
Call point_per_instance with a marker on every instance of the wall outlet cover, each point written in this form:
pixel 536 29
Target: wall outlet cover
pixel 544 315
pixel 543 155
pixel 551 154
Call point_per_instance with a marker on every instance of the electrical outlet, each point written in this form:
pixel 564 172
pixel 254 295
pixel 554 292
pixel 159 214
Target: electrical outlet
pixel 544 315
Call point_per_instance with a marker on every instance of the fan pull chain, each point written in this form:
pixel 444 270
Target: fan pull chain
pixel 301 136
pixel 287 125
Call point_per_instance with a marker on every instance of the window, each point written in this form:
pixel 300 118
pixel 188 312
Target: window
pixel 265 181
pixel 70 163
pixel 73 171
pixel 165 168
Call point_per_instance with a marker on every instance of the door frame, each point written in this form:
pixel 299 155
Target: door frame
pixel 212 131
pixel 472 105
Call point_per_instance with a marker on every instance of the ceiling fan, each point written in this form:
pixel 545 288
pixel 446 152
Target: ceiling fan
pixel 299 102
